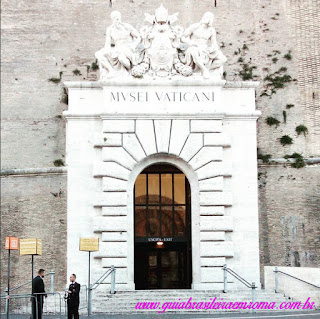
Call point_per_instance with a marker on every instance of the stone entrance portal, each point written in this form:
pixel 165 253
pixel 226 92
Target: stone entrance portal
pixel 111 142
pixel 162 222
pixel 161 100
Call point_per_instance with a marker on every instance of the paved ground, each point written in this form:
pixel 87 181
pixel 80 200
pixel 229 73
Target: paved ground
pixel 265 315
pixel 269 315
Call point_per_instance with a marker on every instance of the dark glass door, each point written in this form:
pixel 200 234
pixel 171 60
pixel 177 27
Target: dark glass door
pixel 161 268
pixel 162 229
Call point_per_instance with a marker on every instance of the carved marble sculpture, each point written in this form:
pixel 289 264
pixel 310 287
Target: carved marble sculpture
pixel 160 48
pixel 203 51
pixel 119 53
pixel 161 41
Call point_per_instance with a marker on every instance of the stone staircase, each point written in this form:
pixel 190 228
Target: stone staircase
pixel 125 302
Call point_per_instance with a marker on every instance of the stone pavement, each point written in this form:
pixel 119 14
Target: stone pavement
pixel 265 315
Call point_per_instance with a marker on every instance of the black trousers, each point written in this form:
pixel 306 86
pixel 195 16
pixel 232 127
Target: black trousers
pixel 73 311
pixel 40 307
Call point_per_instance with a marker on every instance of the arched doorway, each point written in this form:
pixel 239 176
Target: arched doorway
pixel 162 229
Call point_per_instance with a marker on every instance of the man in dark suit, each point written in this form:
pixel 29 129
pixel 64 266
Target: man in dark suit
pixel 73 298
pixel 39 292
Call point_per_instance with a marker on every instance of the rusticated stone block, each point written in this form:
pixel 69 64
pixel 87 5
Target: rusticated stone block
pixel 201 126
pixel 118 126
pixel 216 223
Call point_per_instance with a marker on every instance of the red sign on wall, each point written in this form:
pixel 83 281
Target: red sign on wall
pixel 12 243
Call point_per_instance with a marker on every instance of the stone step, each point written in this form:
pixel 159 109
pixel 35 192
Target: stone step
pixel 193 298
pixel 188 292
pixel 124 302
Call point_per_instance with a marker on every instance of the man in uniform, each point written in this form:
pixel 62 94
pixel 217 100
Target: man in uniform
pixel 73 299
pixel 39 292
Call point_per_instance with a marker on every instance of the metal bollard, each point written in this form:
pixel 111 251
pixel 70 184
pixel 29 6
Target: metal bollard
pixel 113 279
pixel 225 288
pixel 51 273
pixel 89 301
pixel 276 279
pixel 7 301
pixel 253 286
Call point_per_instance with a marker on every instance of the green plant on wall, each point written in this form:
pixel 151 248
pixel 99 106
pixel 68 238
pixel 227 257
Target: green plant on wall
pixel 94 65
pixel 286 140
pixel 276 81
pixel 272 121
pixel 288 56
pixel 299 161
pixel 76 72
pixel 56 80
pixel 247 72
pixel 265 158
pixel 58 162
pixel 301 129
pixel 282 69
pixel 284 113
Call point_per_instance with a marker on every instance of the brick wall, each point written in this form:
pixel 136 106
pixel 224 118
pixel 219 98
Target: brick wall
pixel 42 38
pixel 35 206
pixel 289 210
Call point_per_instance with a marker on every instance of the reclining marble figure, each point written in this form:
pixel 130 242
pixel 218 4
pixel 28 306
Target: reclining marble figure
pixel 203 51
pixel 119 53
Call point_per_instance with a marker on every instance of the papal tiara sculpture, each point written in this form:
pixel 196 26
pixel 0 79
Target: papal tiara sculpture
pixel 160 48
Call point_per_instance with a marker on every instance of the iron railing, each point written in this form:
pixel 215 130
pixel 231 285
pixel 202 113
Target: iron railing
pixel 51 274
pixel 21 295
pixel 88 291
pixel 252 286
pixel 19 303
pixel 276 276
pixel 27 303
pixel 51 308
pixel 110 272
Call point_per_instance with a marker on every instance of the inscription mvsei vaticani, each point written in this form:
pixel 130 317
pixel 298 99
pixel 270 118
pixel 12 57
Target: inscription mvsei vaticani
pixel 173 96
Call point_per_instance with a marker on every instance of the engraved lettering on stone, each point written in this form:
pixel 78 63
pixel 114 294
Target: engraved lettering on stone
pixel 161 96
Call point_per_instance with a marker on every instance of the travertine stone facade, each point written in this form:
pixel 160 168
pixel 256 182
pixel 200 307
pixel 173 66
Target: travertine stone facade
pixel 203 139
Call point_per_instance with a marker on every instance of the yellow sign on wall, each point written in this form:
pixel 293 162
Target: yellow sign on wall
pixel 31 246
pixel 89 244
